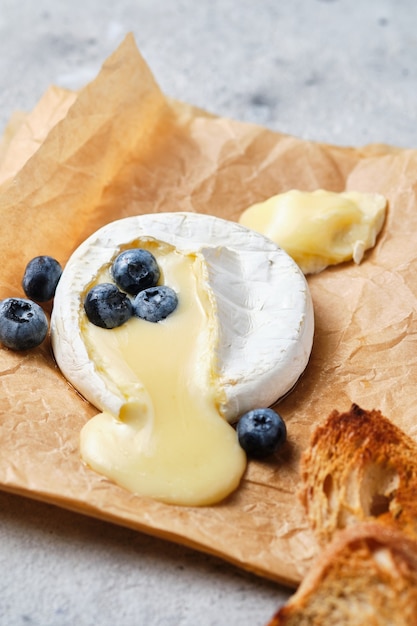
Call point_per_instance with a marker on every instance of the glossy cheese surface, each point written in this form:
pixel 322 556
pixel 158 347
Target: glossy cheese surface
pixel 319 228
pixel 241 337
pixel 169 440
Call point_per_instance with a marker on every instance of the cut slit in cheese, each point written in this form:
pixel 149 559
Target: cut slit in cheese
pixel 319 228
pixel 242 333
pixel 169 440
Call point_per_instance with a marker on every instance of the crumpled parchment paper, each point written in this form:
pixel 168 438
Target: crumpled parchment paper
pixel 120 147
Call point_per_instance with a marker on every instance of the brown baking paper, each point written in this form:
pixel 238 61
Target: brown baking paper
pixel 119 147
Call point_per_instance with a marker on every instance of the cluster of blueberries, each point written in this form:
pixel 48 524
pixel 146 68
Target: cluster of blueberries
pixel 23 322
pixel 135 292
pixel 24 325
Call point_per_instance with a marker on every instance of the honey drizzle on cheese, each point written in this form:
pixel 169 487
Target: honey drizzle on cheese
pixel 169 441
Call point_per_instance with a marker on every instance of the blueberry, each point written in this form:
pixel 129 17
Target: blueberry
pixel 155 304
pixel 41 278
pixel 135 269
pixel 23 324
pixel 106 306
pixel 261 432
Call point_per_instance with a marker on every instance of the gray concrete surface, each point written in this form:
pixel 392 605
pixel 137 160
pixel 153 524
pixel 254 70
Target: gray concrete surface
pixel 330 70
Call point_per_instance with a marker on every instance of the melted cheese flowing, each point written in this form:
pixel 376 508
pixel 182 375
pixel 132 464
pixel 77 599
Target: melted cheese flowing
pixel 319 228
pixel 169 440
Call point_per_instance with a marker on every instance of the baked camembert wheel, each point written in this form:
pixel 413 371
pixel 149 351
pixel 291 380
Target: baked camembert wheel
pixel 168 392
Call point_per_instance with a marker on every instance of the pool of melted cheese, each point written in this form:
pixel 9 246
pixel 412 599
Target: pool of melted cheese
pixel 169 440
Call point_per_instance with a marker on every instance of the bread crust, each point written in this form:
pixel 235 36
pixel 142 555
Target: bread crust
pixel 359 467
pixel 359 490
pixel 366 575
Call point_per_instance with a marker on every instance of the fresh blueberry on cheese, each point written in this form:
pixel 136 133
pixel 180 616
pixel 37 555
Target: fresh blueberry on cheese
pixel 41 277
pixel 156 303
pixel 135 269
pixel 261 432
pixel 23 324
pixel 106 306
pixel 168 394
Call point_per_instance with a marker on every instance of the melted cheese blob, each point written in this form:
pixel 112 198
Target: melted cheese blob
pixel 239 338
pixel 319 228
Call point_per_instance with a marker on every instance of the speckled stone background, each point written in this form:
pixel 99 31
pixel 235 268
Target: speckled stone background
pixel 336 71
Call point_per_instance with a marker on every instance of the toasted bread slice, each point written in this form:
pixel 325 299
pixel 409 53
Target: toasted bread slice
pixel 359 466
pixel 367 576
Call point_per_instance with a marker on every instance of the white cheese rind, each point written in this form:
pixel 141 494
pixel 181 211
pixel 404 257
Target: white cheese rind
pixel 264 307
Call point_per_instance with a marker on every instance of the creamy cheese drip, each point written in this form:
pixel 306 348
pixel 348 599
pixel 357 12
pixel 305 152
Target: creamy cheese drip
pixel 319 228
pixel 169 440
